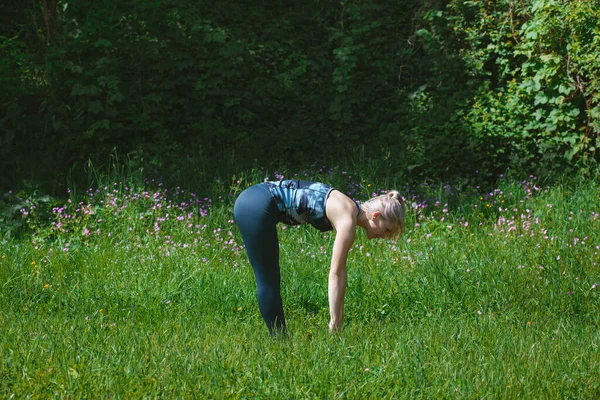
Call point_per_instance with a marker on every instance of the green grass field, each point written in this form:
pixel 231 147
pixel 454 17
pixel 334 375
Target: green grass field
pixel 144 291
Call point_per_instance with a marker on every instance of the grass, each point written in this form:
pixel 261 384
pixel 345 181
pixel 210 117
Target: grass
pixel 144 291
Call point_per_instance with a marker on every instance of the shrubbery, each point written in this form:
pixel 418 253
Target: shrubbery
pixel 432 89
pixel 533 69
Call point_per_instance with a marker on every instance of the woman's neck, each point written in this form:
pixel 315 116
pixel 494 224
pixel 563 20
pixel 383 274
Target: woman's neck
pixel 362 220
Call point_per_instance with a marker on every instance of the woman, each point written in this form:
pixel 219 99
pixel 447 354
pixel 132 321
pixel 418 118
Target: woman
pixel 260 207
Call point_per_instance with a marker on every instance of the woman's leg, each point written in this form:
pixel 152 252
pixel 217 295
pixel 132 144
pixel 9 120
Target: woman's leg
pixel 256 215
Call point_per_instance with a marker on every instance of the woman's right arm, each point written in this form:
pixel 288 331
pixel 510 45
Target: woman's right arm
pixel 341 212
pixel 338 276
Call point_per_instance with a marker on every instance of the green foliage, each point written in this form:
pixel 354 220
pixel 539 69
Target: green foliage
pixel 432 88
pixel 536 101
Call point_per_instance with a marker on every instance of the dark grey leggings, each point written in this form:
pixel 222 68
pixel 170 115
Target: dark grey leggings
pixel 256 215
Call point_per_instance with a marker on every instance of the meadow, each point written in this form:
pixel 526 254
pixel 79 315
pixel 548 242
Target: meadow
pixel 141 289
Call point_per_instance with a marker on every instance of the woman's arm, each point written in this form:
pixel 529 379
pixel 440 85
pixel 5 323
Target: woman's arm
pixel 338 277
pixel 342 213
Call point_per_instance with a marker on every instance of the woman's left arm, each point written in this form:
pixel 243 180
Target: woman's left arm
pixel 338 277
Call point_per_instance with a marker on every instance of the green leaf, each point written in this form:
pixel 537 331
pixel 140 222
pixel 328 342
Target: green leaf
pixel 531 35
pixel 540 98
pixel 102 43
pixel 570 153
pixel 95 107
pixel 538 114
pixel 215 37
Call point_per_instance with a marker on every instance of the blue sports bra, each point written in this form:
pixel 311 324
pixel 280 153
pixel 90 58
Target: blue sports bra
pixel 299 202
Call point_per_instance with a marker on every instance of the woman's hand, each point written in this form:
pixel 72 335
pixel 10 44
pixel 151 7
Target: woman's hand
pixel 334 327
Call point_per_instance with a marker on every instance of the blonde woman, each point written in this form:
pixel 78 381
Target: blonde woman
pixel 259 208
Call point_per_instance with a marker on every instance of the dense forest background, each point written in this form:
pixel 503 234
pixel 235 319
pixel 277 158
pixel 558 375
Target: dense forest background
pixel 417 89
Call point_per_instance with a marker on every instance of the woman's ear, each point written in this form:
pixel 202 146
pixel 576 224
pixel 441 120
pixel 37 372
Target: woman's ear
pixel 375 215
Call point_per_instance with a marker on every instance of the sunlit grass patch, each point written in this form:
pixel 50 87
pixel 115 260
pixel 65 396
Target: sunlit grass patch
pixel 145 291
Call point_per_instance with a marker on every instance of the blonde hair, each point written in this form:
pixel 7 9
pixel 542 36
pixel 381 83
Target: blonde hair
pixel 390 205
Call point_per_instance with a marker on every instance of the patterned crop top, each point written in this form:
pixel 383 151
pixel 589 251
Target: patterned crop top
pixel 302 201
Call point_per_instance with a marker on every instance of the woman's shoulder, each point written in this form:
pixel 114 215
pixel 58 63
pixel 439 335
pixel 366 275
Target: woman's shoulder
pixel 341 207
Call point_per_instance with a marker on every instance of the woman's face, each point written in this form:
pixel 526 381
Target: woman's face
pixel 381 228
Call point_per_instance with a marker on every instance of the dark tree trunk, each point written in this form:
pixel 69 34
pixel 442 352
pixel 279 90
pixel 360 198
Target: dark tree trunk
pixel 50 20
